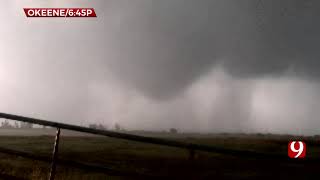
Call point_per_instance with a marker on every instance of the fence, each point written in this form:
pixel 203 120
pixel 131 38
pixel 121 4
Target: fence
pixel 191 147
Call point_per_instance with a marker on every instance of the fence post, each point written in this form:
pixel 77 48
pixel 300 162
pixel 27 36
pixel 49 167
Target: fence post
pixel 54 156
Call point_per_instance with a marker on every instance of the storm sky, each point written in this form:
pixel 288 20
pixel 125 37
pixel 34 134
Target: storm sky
pixel 198 66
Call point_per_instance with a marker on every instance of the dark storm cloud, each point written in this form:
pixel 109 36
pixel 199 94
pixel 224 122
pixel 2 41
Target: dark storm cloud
pixel 286 34
pixel 161 47
pixel 195 65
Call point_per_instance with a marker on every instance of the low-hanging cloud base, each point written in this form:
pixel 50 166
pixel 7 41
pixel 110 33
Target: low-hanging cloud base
pixel 222 66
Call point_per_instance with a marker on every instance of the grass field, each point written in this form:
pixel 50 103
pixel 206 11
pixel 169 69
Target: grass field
pixel 160 161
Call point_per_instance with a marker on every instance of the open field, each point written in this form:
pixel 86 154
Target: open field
pixel 159 161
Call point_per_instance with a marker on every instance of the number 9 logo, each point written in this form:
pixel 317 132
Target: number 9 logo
pixel 297 149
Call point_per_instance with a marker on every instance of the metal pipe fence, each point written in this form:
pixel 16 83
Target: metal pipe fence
pixel 191 147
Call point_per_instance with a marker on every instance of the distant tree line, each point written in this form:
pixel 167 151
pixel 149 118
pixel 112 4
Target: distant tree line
pixel 173 131
pixel 7 125
pixel 117 127
pixel 97 126
pixel 25 125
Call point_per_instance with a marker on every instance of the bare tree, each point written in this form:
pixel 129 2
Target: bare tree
pixel 93 126
pixel 173 130
pixel 97 126
pixel 16 124
pixel 117 127
pixel 6 124
pixel 26 125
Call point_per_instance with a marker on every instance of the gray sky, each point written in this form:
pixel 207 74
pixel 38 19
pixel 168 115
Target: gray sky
pixel 203 66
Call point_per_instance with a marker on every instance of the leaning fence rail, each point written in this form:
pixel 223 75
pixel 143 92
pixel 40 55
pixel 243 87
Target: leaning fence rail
pixel 151 140
pixel 191 147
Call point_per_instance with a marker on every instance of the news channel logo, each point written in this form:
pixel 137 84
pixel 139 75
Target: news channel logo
pixel 297 149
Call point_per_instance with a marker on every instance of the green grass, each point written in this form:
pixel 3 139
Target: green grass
pixel 159 160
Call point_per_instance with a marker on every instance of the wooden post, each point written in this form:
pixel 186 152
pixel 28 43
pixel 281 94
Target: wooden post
pixel 54 156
